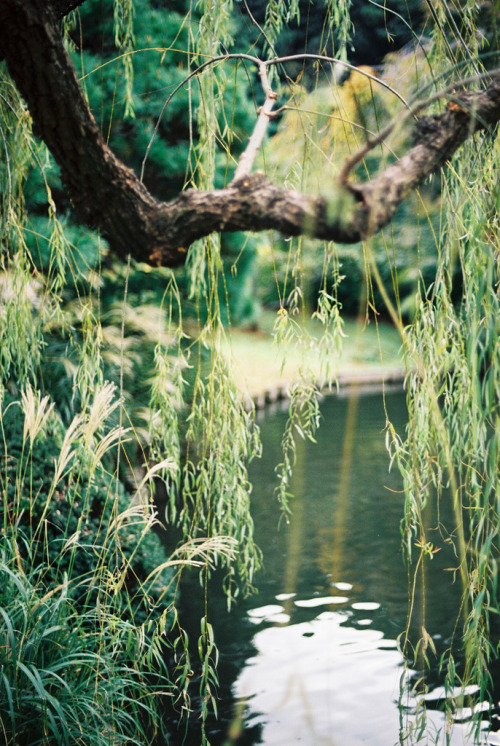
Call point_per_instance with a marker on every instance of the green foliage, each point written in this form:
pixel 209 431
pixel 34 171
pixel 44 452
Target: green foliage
pixel 69 676
pixel 340 22
pixel 81 595
pixel 79 523
pixel 437 266
pixel 317 133
pixel 453 447
pixel 452 450
pixel 303 420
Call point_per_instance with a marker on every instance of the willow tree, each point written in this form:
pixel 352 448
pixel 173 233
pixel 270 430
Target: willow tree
pixel 446 128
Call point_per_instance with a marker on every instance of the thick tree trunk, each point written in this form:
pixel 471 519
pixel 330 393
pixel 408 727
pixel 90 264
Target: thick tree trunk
pixel 107 194
pixel 104 192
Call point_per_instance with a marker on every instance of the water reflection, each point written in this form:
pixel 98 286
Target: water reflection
pixel 322 681
pixel 314 656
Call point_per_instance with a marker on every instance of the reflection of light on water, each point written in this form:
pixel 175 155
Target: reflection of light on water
pixel 310 603
pixel 322 682
pixel 366 606
pixel 342 586
pixel 270 613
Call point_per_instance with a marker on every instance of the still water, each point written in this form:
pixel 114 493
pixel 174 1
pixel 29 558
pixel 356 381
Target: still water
pixel 313 657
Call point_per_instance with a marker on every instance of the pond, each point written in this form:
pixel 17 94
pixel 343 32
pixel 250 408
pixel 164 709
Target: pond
pixel 313 657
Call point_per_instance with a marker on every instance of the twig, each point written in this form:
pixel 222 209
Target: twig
pixel 265 113
pixel 247 159
pixel 334 61
pixel 412 111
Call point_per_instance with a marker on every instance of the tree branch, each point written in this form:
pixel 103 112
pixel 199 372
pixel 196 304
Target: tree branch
pixel 107 194
pixel 63 7
pixel 266 112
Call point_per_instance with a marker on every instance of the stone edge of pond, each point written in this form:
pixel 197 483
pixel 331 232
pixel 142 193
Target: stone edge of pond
pixel 367 380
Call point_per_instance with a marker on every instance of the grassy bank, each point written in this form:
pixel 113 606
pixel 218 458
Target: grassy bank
pixel 263 363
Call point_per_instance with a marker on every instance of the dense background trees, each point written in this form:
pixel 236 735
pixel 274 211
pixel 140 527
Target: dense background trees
pixel 115 382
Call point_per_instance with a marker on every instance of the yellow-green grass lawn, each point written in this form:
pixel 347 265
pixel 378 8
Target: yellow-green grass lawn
pixel 368 352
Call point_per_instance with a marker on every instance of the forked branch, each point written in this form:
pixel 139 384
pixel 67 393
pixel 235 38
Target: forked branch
pixel 107 194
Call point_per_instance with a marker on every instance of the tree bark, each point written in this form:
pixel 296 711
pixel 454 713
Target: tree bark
pixel 107 194
pixel 63 7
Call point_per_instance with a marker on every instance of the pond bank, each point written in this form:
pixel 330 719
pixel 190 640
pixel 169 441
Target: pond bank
pixel 364 380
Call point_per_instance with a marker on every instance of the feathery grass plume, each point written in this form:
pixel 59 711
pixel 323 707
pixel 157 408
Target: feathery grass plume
pixel 168 465
pixel 201 552
pixel 100 409
pixel 71 436
pixel 107 442
pixel 37 411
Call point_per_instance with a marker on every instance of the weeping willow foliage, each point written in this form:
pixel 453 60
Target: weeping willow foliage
pixel 194 434
pixel 278 13
pixel 193 431
pixel 452 451
pixel 125 42
pixel 339 18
